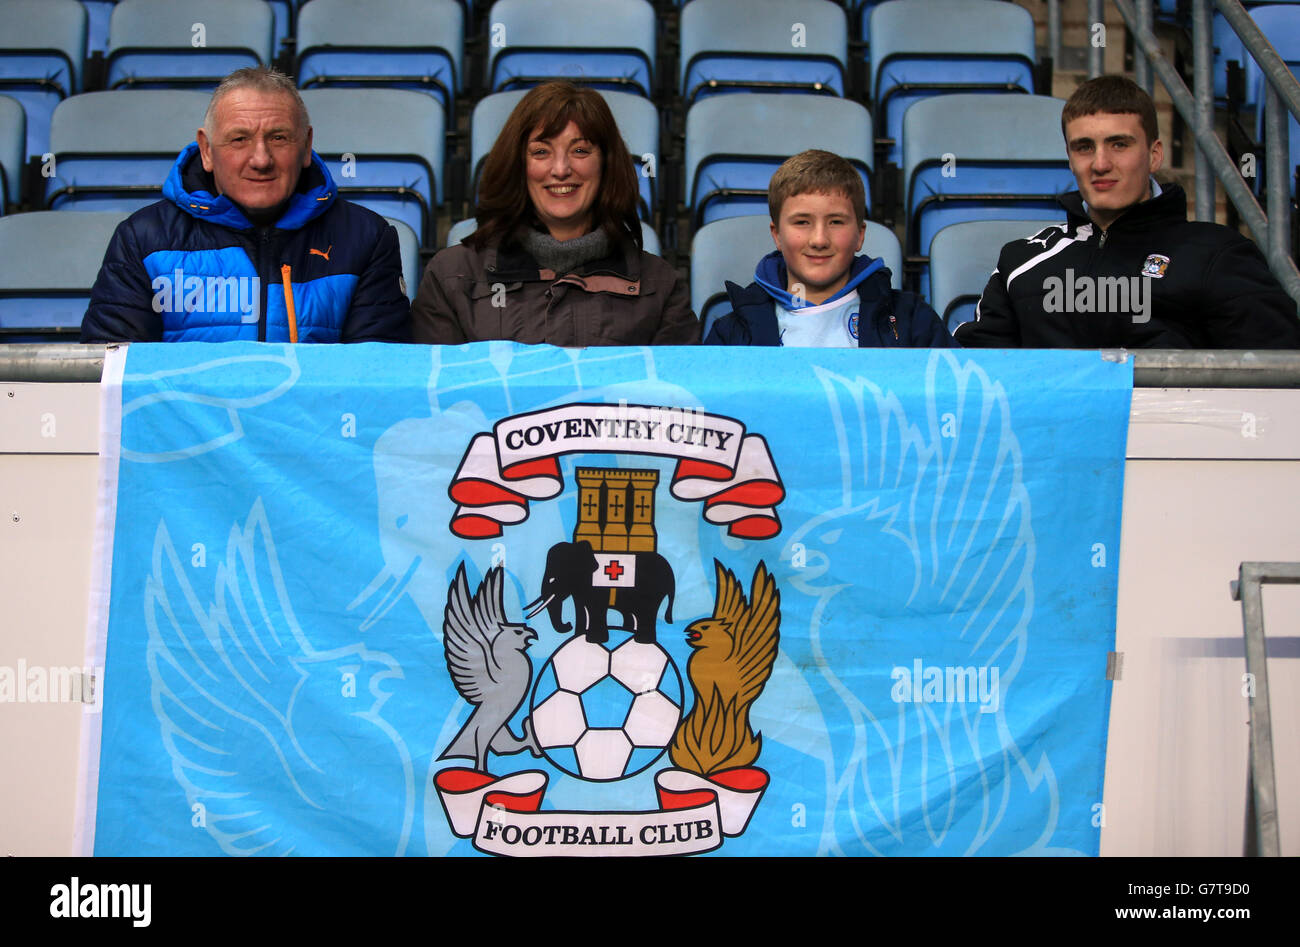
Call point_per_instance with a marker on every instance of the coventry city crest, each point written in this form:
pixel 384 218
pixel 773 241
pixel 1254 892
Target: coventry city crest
pixel 610 702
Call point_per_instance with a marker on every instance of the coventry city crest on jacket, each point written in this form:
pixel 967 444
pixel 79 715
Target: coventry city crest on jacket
pixel 610 702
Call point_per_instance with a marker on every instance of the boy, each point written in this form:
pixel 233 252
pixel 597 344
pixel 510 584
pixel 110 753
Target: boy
pixel 813 290
pixel 1126 268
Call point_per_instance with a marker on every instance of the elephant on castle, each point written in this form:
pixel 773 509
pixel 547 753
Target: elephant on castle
pixel 574 571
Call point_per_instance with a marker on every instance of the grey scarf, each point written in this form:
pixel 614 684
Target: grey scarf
pixel 563 256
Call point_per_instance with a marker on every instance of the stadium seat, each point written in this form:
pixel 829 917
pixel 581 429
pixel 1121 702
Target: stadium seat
pixel 402 44
pixel 408 244
pixel 113 150
pixel 730 249
pixel 963 256
pixel 185 43
pixel 13 139
pixel 42 45
pixel 98 14
pixel 923 48
pixel 862 10
pixel 637 119
pixel 762 45
pixel 734 143
pixel 1228 46
pixel 385 149
pixel 1280 23
pixel 609 44
pixel 463 228
pixel 979 157
pixel 45 297
pixel 284 16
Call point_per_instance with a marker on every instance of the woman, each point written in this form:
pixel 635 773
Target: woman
pixel 557 254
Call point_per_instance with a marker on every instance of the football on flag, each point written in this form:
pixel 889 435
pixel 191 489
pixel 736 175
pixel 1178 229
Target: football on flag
pixel 606 713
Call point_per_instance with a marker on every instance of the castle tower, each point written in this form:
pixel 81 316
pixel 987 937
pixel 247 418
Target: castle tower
pixel 616 509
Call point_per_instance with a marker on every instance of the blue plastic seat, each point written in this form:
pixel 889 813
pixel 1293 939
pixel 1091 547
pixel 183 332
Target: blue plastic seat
pixel 730 249
pixel 1228 45
pixel 963 256
pixel 608 44
pixel 401 44
pixel 385 149
pixel 408 245
pixel 13 139
pixel 42 44
pixel 734 143
pixel 981 157
pixel 56 258
pixel 923 48
pixel 284 14
pixel 762 46
pixel 98 14
pixel 185 43
pixel 113 150
pixel 463 228
pixel 636 117
pixel 1280 24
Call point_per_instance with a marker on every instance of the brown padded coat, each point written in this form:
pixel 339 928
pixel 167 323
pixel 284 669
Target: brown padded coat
pixel 627 298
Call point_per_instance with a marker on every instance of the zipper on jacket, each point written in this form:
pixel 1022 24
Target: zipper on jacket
pixel 285 271
pixel 1103 239
pixel 893 324
pixel 263 271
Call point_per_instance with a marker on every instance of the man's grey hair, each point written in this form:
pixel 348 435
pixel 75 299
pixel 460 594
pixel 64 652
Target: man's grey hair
pixel 263 79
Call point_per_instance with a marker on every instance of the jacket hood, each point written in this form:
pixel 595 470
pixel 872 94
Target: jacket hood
pixel 771 274
pixel 193 190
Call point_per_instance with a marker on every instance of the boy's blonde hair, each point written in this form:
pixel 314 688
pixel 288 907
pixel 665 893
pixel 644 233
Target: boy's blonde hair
pixel 816 172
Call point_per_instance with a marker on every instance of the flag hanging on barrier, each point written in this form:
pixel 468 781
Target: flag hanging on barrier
pixel 400 600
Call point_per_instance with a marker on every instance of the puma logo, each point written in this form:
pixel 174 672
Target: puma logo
pixel 325 253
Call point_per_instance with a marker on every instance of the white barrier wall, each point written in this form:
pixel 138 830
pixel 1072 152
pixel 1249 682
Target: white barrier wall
pixel 1213 478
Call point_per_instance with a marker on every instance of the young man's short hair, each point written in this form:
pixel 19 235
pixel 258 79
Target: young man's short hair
pixel 816 172
pixel 1113 95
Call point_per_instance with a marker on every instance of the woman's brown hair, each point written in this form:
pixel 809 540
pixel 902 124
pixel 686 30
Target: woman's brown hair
pixel 503 203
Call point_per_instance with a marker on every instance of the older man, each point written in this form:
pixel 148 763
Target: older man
pixel 1127 269
pixel 251 240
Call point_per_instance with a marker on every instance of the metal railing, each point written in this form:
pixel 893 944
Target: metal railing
pixel 1152 368
pixel 1196 106
pixel 1261 835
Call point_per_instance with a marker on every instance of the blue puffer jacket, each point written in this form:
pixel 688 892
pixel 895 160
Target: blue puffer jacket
pixel 192 268
pixel 887 318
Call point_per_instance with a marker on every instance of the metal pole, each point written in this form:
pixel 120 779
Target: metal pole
pixel 1141 66
pixel 1283 267
pixel 1261 782
pixel 1096 53
pixel 51 362
pixel 1223 368
pixel 1203 87
pixel 1262 779
pixel 1054 32
pixel 1277 150
pixel 1257 44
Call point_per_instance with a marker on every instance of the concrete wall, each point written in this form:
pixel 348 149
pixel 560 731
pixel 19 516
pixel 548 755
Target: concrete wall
pixel 1213 478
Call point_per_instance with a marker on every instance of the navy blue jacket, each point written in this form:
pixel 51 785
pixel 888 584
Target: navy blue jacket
pixel 887 318
pixel 192 268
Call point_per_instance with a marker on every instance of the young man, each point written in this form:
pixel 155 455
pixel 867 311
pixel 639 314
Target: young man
pixel 813 289
pixel 251 240
pixel 1127 269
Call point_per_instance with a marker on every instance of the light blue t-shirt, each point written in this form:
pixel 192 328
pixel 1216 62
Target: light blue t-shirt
pixel 832 325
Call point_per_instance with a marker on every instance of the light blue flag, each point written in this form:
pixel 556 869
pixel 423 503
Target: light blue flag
pixel 401 600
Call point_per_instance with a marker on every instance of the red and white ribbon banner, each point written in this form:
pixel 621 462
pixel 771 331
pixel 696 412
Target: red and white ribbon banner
pixel 503 815
pixel 718 464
